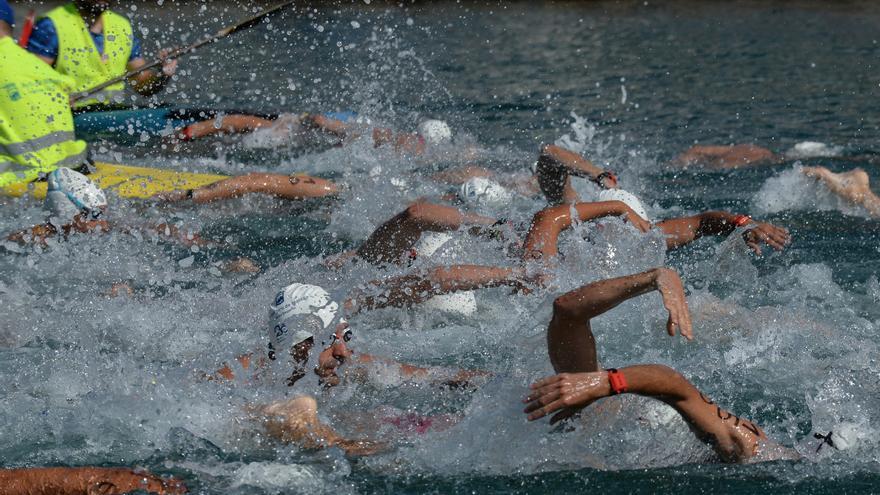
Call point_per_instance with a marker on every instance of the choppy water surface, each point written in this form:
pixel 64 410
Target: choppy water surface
pixel 790 339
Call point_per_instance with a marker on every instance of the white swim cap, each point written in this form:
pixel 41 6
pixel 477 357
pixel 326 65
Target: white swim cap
pixel 298 313
pixel 625 197
pixel 461 303
pixel 480 190
pixel 71 193
pixel 435 131
pixel 430 242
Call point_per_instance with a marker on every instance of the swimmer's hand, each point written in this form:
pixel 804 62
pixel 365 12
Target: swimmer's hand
pixel 775 237
pixel 357 448
pixel 112 481
pixel 632 217
pixel 669 285
pixel 566 393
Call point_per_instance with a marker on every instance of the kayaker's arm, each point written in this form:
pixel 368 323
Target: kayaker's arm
pixel 149 82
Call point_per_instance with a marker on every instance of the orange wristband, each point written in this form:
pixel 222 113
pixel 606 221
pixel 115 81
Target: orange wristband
pixel 741 220
pixel 617 380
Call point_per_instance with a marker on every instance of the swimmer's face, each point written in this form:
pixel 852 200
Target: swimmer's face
pixel 335 353
pixel 85 222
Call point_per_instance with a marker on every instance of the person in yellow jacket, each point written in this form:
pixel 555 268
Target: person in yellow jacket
pixel 87 41
pixel 36 125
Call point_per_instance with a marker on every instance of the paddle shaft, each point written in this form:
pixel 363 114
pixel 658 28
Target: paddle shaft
pixel 177 52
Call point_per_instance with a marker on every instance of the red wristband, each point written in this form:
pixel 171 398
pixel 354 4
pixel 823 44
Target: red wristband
pixel 741 220
pixel 617 380
pixel 187 133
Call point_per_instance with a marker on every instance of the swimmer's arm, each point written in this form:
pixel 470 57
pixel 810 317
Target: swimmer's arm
pixel 39 233
pixel 570 341
pixel 81 480
pixel 459 378
pixel 245 360
pixel 416 288
pixel 34 235
pixel 177 234
pixel 296 421
pixel 735 439
pixel 542 241
pixel 554 168
pixel 329 125
pixel 682 231
pixel 574 163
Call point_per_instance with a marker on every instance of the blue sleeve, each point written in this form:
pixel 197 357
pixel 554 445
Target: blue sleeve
pixel 44 39
pixel 135 48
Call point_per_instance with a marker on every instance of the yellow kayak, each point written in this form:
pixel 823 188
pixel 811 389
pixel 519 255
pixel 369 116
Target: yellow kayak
pixel 128 181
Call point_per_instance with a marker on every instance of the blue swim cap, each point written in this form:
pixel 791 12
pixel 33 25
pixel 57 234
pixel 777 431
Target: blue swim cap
pixel 6 13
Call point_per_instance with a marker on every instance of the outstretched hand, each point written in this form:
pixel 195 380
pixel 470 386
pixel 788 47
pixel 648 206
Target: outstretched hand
pixel 567 393
pixel 670 288
pixel 775 237
pixel 112 481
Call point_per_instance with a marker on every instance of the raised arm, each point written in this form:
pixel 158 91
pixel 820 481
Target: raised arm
pixel 542 241
pixel 733 438
pixel 555 167
pixel 570 339
pixel 684 230
pixel 412 289
pixel 296 421
pixel 84 480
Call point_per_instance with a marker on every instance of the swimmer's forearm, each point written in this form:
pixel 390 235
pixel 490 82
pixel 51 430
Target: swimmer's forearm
pixel 733 438
pixel 413 289
pixel 542 241
pixel 598 297
pixel 79 481
pixel 571 161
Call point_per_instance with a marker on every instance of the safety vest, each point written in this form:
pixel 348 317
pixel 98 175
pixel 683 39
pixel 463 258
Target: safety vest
pixel 36 124
pixel 79 58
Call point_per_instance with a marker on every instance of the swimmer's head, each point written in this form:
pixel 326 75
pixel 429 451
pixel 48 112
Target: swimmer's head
pixel 626 198
pixel 71 194
pixel 298 313
pixel 482 191
pixel 7 16
pixel 435 131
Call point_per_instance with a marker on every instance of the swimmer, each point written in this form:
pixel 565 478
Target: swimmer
pixel 853 186
pixel 551 176
pixel 727 156
pixel 300 314
pixel 543 238
pixel 290 187
pixel 580 382
pixel 85 480
pixel 76 205
pixel 430 132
